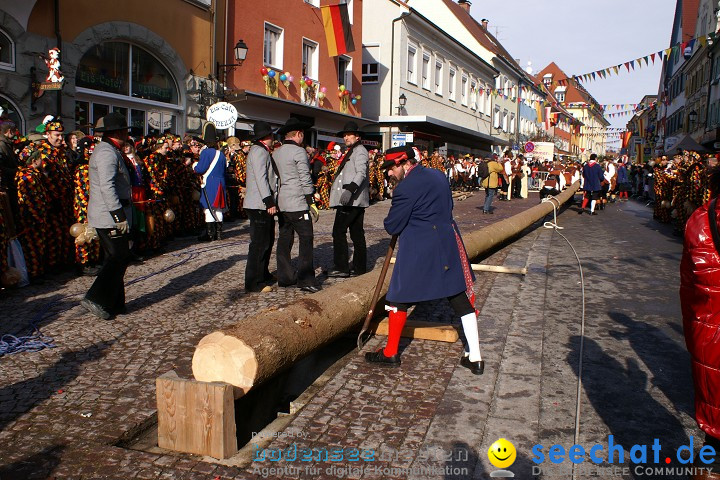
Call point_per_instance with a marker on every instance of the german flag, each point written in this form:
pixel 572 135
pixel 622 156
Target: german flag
pixel 337 29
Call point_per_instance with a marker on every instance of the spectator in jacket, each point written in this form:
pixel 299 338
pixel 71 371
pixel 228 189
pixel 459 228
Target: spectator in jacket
pixel 350 196
pixel 297 206
pixel 490 183
pixel 110 213
pixel 700 301
pixel 593 176
pixel 261 209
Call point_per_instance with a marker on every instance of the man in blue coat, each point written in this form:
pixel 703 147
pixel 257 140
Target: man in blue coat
pixel 211 166
pixel 593 175
pixel 431 261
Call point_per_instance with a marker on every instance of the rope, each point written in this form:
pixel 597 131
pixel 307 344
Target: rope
pixel 12 344
pixel 556 204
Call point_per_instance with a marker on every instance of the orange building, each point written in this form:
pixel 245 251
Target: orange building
pixel 153 61
pixel 289 40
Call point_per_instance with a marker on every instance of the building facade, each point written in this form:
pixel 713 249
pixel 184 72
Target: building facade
pixel 153 62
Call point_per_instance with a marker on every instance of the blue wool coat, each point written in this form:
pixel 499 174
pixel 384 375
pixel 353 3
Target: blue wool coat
pixel 428 264
pixel 215 183
pixel 593 175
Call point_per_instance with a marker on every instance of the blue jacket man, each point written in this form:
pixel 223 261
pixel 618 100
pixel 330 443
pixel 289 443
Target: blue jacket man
pixel 431 261
pixel 593 175
pixel 211 166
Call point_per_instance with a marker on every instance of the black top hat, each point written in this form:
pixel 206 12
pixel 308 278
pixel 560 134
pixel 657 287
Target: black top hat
pixel 261 130
pixel 209 134
pixel 397 155
pixel 350 127
pixel 292 125
pixel 110 122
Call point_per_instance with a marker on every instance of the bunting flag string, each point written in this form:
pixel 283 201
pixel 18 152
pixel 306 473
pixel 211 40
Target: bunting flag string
pixel 675 50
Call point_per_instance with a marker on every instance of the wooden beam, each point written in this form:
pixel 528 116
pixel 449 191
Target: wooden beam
pixel 477 267
pixel 422 330
pixel 196 417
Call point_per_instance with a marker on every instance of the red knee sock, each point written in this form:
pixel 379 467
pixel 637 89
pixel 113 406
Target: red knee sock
pixel 585 202
pixel 397 322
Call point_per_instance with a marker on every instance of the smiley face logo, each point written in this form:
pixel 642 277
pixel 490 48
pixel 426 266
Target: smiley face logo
pixel 502 453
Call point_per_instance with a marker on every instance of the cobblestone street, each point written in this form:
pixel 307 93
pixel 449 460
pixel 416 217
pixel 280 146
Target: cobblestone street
pixel 62 409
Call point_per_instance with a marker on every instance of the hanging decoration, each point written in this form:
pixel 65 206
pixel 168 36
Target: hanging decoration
pixel 271 84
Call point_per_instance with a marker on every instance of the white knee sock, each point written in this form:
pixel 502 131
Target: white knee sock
pixel 470 327
pixel 592 205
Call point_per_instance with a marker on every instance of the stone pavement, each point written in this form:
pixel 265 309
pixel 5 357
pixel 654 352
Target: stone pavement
pixel 64 410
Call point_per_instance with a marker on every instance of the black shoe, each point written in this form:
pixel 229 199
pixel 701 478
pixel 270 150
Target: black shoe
pixel 484 212
pixel 95 309
pixel 581 211
pixel 338 274
pixel 136 257
pixel 218 231
pixel 379 357
pixel 476 368
pixel 310 288
pixel 88 271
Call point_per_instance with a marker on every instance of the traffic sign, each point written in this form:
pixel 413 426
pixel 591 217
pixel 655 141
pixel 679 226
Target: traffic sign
pixel 401 139
pixel 529 147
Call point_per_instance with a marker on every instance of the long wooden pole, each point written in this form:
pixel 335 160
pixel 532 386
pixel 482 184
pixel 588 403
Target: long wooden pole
pixel 381 279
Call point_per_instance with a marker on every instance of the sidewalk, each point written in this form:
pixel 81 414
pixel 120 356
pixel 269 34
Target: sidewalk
pixel 63 410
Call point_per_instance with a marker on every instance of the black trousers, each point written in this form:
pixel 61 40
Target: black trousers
pixel 108 289
pixel 349 218
pixel 459 302
pixel 262 239
pixel 290 224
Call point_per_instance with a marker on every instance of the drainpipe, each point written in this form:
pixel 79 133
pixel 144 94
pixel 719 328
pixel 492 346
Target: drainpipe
pixel 392 57
pixel 58 40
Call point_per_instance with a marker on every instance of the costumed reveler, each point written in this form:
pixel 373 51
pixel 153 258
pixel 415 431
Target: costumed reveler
pixel 33 205
pixel 211 167
pixel 87 254
pixel 157 168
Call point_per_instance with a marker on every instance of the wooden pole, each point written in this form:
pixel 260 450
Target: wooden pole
pixel 260 346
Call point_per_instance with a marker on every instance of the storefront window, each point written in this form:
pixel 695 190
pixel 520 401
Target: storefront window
pixel 99 110
pixel 82 117
pixel 8 111
pixel 7 51
pixel 137 122
pixel 105 67
pixel 124 69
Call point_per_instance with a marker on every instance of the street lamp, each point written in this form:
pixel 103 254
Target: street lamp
pixel 241 50
pixel 402 100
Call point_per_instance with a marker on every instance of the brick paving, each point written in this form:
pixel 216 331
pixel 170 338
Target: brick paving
pixel 62 410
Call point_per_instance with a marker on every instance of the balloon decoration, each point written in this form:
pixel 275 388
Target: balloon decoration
pixel 169 216
pixel 77 229
pixel 271 83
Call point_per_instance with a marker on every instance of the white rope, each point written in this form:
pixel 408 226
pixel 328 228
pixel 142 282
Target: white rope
pixel 556 204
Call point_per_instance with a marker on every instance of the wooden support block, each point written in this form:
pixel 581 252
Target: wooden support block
pixel 196 417
pixel 423 330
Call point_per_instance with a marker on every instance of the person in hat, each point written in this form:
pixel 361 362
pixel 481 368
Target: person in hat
pixel 211 166
pixel 232 153
pixel 110 214
pixel 350 196
pixel 593 176
pixel 157 164
pixel 261 208
pixel 297 207
pixel 431 260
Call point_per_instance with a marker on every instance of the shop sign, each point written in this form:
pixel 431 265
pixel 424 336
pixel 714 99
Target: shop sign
pixel 223 115
pixel 160 122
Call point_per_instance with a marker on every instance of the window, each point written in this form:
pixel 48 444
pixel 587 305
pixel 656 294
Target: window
pixel 273 46
pixel 473 95
pixel 9 110
pixel 349 8
pixel 310 58
pixel 451 85
pixel 314 3
pixel 370 73
pixel 7 52
pixel 426 71
pixel 512 123
pixel 505 121
pixel 345 71
pixel 438 77
pixel 547 80
pixel 496 117
pixel 411 65
pixel 463 90
pixel 560 96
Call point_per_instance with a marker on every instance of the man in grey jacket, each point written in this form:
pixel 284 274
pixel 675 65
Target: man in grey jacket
pixel 110 213
pixel 296 204
pixel 350 196
pixel 260 207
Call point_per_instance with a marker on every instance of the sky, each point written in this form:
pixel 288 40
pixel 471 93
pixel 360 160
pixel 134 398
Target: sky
pixel 582 36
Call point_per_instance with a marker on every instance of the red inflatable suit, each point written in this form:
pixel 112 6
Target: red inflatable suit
pixel 700 300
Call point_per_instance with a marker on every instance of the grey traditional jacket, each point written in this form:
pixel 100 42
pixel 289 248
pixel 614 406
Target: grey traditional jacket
pixel 353 173
pixel 110 187
pixel 295 180
pixel 261 181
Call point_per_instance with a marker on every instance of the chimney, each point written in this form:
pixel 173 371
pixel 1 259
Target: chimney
pixel 465 4
pixel 484 22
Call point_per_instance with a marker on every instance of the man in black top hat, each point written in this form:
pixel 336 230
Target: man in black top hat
pixel 350 196
pixel 297 207
pixel 260 204
pixel 110 213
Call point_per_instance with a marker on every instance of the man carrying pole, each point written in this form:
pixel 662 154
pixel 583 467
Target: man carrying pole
pixel 431 261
